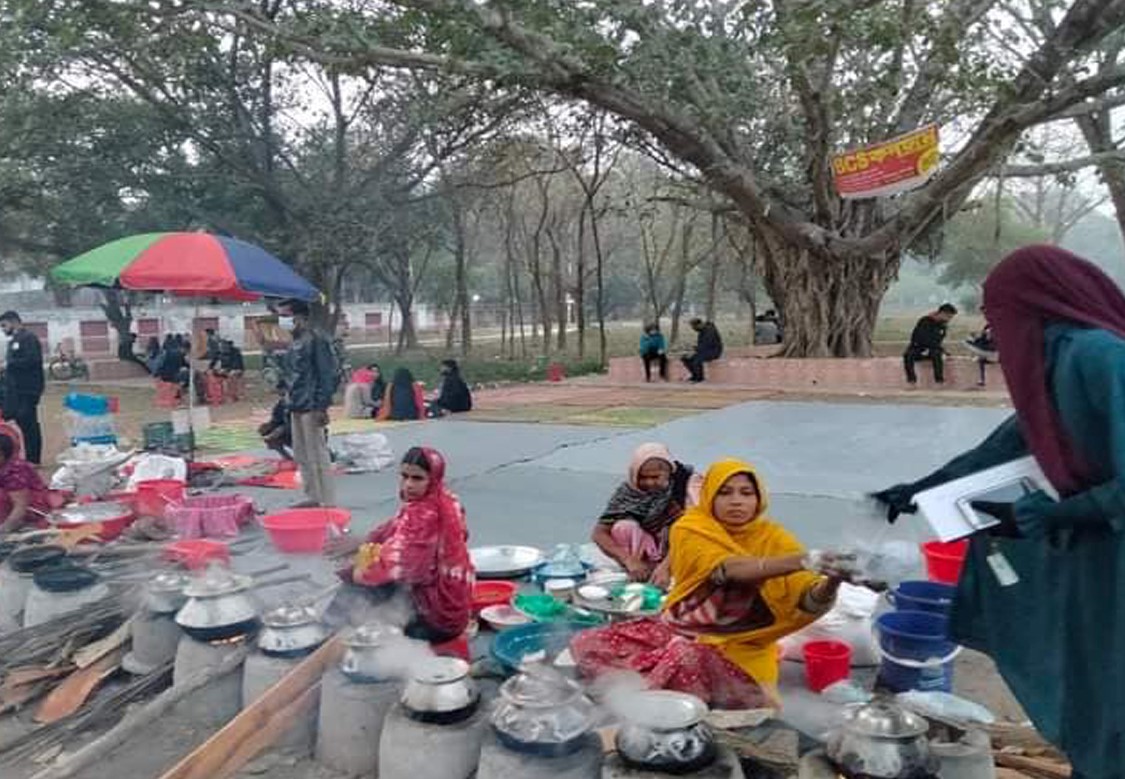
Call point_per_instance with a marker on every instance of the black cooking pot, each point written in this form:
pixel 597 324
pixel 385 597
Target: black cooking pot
pixel 64 578
pixel 34 558
pixel 223 632
pixel 544 749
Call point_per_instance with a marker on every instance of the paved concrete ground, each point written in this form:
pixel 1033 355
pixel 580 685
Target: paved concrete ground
pixel 544 484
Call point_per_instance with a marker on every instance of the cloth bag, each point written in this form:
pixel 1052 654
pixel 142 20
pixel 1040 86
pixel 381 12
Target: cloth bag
pixel 850 621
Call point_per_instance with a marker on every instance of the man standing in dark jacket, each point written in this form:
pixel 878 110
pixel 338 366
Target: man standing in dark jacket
pixel 310 380
pixel 926 343
pixel 23 383
pixel 708 347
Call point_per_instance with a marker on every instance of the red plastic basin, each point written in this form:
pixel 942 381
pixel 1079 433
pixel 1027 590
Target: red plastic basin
pixel 492 593
pixel 196 553
pixel 944 561
pixel 304 530
pixel 154 496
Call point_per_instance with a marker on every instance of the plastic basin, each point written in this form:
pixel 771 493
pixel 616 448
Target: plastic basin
pixel 154 496
pixel 511 645
pixel 304 530
pixel 923 596
pixel 944 561
pixel 492 593
pixel 196 553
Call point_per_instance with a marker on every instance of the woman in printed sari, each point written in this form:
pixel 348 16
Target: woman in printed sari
pixel 423 550
pixel 740 583
pixel 633 528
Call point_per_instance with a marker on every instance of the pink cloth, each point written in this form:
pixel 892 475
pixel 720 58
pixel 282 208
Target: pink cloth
pixel 667 661
pixel 629 534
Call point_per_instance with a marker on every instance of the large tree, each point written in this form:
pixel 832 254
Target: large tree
pixel 754 97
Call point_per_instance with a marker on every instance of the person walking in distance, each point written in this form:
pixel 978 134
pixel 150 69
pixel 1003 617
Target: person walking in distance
pixel 310 380
pixel 708 348
pixel 927 343
pixel 23 383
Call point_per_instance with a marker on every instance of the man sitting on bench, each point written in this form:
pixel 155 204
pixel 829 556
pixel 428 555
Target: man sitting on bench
pixel 927 343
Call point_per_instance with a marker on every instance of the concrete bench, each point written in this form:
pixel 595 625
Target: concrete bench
pixel 114 370
pixel 852 375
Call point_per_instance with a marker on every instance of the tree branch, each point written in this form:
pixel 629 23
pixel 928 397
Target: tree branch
pixel 1065 166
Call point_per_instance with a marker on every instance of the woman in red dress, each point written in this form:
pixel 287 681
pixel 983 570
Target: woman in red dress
pixel 24 498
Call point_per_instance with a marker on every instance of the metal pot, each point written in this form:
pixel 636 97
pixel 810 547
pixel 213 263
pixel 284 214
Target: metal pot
pixel 375 653
pixel 664 731
pixel 542 712
pixel 440 691
pixel 883 741
pixel 219 606
pixel 165 592
pixel 291 631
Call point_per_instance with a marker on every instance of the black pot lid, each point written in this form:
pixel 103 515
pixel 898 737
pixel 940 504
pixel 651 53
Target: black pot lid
pixel 34 557
pixel 65 579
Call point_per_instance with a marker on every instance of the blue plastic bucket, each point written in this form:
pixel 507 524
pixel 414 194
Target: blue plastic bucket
pixel 933 597
pixel 916 651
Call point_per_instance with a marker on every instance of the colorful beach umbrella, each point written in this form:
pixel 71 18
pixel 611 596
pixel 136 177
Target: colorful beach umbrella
pixel 187 264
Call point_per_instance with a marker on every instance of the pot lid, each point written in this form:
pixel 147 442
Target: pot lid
pixel 215 582
pixel 440 670
pixel 882 719
pixel 540 687
pixel 374 634
pixel 659 709
pixel 93 512
pixel 289 617
pixel 168 582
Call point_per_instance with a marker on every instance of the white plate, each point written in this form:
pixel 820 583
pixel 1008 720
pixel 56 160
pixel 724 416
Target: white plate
pixel 503 616
pixel 504 561
pixel 659 709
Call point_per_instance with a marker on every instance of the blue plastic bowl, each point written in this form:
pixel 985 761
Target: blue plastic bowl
pixel 511 645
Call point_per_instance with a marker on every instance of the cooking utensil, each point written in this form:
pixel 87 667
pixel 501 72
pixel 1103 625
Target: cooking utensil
pixel 220 604
pixel 440 691
pixel 165 592
pixel 374 653
pixel 882 740
pixel 291 631
pixel 542 712
pixel 504 562
pixel 111 518
pixel 663 731
pixel 503 616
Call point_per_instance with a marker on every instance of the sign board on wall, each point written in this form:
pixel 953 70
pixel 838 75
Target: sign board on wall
pixel 889 167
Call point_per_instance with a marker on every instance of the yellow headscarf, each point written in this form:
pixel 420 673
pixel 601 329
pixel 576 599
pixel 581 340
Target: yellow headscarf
pixel 700 543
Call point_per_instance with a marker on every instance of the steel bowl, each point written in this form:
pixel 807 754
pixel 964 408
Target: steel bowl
pixel 291 631
pixel 440 690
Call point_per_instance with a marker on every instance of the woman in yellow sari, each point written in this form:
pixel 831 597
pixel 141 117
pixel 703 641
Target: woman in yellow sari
pixel 739 583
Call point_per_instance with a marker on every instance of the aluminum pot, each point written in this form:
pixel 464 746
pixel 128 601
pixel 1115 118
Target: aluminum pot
pixel 883 741
pixel 440 690
pixel 165 592
pixel 664 731
pixel 542 712
pixel 291 631
pixel 219 606
pixel 375 653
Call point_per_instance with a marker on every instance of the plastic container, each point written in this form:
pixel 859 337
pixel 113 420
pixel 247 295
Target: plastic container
pixel 826 662
pixel 933 597
pixel 88 405
pixel 304 530
pixel 944 561
pixel 492 593
pixel 196 553
pixel 916 651
pixel 539 606
pixel 156 495
pixel 167 394
pixel 512 645
pixel 159 435
pixel 111 527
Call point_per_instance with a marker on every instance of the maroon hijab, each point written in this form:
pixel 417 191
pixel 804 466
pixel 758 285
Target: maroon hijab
pixel 1031 288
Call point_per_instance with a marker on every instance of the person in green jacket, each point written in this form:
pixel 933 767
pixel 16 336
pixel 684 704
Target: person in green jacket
pixel 654 350
pixel 1057 634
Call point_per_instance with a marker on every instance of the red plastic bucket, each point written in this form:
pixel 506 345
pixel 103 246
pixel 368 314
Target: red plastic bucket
pixel 154 496
pixel 944 561
pixel 826 662
pixel 304 530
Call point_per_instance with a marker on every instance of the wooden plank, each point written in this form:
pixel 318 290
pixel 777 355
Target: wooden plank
pixel 1032 765
pixel 261 723
pixel 69 696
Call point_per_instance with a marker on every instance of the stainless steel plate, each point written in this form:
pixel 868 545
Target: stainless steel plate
pixel 502 562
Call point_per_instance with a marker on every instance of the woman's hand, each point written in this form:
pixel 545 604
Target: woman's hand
pixel 898 500
pixel 340 546
pixel 662 574
pixel 637 569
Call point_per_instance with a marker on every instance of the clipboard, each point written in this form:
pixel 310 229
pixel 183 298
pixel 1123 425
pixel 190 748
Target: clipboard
pixel 947 507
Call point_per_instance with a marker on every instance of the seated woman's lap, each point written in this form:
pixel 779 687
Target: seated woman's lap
pixel 633 537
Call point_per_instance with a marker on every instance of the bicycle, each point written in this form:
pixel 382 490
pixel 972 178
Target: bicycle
pixel 67 367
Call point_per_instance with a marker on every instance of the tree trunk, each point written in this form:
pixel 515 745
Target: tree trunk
pixel 559 280
pixel 580 283
pixel 1098 132
pixel 599 259
pixel 713 268
pixel 828 305
pixel 461 277
pixel 407 335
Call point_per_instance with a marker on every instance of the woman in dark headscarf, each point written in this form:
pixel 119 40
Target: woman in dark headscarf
pixel 403 398
pixel 454 396
pixel 1058 632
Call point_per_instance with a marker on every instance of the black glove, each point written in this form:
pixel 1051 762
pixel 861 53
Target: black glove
pixel 1005 512
pixel 898 499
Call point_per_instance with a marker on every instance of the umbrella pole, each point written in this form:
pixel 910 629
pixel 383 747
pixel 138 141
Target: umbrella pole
pixel 191 388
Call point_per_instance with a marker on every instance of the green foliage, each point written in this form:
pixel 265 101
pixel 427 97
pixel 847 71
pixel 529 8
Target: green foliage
pixel 974 243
